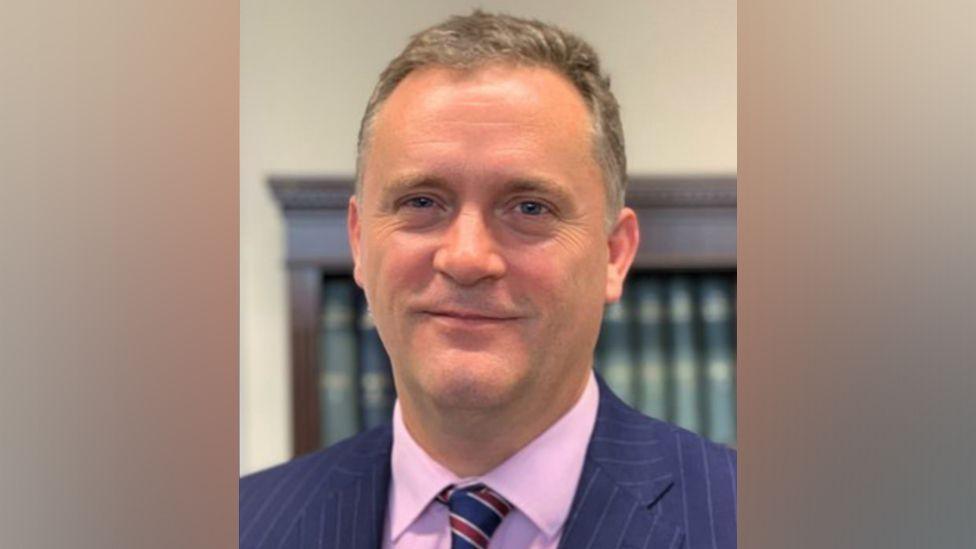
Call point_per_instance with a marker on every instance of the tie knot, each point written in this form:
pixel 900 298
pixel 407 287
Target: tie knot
pixel 476 512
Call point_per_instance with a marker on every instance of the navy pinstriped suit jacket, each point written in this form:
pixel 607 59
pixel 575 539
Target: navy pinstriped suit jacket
pixel 645 484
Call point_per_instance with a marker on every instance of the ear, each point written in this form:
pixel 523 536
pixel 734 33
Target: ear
pixel 622 243
pixel 353 230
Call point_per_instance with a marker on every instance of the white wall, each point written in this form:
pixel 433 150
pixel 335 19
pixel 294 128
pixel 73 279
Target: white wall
pixel 307 69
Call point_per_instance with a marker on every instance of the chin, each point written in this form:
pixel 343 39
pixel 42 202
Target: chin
pixel 479 382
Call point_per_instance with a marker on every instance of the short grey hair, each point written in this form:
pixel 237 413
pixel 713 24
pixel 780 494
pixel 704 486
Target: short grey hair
pixel 470 41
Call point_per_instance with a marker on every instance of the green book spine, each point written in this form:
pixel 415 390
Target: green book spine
pixel 615 355
pixel 338 404
pixel 375 377
pixel 684 354
pixel 652 361
pixel 717 313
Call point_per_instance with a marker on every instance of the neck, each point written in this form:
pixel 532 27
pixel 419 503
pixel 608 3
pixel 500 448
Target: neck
pixel 471 442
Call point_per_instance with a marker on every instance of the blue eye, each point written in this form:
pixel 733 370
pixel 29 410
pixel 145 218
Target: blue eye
pixel 420 202
pixel 532 208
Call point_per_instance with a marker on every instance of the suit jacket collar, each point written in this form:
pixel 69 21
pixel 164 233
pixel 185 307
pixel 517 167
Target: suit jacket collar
pixel 621 499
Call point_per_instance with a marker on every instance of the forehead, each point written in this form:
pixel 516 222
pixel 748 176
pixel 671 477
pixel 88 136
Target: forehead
pixel 536 93
pixel 495 116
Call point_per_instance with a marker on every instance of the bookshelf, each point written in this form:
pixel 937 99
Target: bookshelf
pixel 688 224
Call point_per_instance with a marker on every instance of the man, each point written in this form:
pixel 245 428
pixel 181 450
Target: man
pixel 488 232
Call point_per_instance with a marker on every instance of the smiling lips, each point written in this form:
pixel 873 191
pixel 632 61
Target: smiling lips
pixel 470 318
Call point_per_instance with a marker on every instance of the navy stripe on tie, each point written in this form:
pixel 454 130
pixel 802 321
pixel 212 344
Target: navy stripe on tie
pixel 476 512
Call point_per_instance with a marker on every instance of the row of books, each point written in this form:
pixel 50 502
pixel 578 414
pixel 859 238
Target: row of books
pixel 667 348
pixel 355 381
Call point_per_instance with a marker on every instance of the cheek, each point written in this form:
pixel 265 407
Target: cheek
pixel 560 282
pixel 395 265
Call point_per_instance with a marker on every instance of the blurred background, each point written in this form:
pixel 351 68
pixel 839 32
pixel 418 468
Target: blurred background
pixel 307 70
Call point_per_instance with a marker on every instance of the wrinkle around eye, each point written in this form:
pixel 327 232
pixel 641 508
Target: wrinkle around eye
pixel 544 224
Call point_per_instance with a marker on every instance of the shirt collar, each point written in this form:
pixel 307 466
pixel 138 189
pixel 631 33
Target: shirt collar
pixel 534 479
pixel 415 477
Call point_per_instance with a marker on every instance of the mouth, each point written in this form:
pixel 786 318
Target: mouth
pixel 470 318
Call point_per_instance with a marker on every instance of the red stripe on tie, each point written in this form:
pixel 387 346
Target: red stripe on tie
pixel 470 532
pixel 501 506
pixel 445 495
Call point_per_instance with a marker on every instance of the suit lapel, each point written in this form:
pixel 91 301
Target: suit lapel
pixel 624 489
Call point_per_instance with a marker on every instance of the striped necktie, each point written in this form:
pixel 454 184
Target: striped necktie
pixel 476 512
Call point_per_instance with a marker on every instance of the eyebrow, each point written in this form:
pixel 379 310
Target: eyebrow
pixel 408 183
pixel 534 185
pixel 540 186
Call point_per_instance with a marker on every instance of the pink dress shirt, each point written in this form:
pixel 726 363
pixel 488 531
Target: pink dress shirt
pixel 539 480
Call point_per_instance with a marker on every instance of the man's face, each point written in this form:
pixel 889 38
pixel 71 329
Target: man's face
pixel 479 237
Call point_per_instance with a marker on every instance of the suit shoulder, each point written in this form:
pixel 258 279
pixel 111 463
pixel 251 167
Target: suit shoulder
pixel 692 452
pixel 697 476
pixel 272 502
pixel 623 420
pixel 698 444
pixel 280 481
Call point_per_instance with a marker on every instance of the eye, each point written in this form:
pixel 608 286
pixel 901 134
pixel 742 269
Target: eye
pixel 532 208
pixel 419 202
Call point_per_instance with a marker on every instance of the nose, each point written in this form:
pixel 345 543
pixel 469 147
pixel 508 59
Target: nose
pixel 469 253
